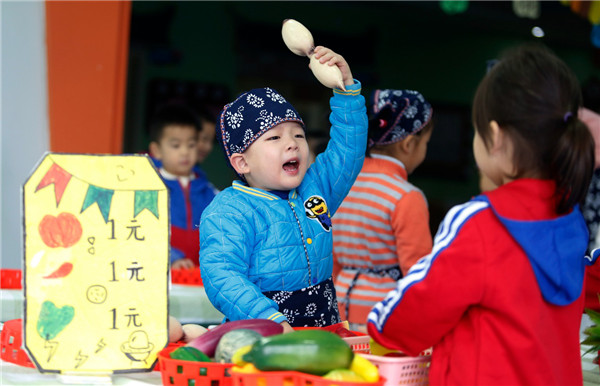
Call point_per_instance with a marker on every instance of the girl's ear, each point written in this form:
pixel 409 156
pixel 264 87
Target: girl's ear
pixel 498 140
pixel 408 144
pixel 502 149
pixel 238 161
pixel 155 150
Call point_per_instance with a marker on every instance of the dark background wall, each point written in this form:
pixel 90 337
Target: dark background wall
pixel 208 52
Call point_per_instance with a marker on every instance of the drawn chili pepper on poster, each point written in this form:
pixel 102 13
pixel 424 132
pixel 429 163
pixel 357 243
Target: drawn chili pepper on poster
pixel 62 271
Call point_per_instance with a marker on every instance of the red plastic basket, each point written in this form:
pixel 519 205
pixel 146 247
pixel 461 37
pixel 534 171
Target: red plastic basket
pixel 11 342
pixel 186 373
pixel 170 347
pixel 11 278
pixel 412 371
pixel 291 378
pixel 186 276
pixel 359 343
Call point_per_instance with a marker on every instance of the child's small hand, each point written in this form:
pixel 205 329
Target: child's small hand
pixel 325 55
pixel 286 327
pixel 184 263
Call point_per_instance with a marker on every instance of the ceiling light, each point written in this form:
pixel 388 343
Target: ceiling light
pixel 537 32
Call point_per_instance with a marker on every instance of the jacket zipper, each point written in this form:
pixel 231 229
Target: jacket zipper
pixel 303 243
pixel 188 204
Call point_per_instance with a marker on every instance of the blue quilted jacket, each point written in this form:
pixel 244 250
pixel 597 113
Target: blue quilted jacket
pixel 252 241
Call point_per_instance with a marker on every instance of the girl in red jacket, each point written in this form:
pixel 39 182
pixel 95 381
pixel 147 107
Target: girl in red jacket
pixel 500 296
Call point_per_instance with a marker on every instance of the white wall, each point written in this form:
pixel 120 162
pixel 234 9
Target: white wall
pixel 23 114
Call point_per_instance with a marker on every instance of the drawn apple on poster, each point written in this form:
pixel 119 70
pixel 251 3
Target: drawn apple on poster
pixel 61 231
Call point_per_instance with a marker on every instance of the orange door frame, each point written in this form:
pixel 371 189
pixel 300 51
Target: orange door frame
pixel 87 51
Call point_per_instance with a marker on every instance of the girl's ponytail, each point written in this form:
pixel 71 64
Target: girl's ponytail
pixel 573 163
pixel 535 98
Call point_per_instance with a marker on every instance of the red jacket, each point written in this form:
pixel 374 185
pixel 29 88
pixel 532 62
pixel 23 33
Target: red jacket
pixel 499 298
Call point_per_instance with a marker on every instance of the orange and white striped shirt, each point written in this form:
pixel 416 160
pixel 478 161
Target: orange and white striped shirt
pixel 382 224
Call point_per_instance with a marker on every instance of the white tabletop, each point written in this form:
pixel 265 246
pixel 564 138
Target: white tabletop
pixel 11 374
pixel 591 371
pixel 187 303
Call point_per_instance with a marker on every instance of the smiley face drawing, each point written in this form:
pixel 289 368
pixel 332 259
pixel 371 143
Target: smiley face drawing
pixel 96 294
pixel 316 209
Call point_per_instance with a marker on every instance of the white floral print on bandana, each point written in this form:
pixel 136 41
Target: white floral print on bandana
pixel 255 101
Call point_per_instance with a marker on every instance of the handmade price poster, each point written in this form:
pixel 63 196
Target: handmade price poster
pixel 96 263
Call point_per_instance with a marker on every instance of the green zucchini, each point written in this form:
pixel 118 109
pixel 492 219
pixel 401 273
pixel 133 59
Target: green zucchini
pixel 309 351
pixel 189 354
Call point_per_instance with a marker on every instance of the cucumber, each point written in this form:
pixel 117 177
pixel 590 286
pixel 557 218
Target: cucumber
pixel 309 351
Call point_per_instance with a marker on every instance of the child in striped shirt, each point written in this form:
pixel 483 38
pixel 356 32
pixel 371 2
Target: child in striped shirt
pixel 382 227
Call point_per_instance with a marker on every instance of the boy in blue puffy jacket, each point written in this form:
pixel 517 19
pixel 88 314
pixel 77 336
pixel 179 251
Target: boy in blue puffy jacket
pixel 265 241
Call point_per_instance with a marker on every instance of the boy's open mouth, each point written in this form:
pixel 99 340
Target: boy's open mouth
pixel 291 166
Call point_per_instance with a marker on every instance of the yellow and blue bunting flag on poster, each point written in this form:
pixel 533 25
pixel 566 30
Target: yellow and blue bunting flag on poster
pixel 96 263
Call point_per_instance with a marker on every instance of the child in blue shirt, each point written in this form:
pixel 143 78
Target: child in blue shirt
pixel 265 241
pixel 174 132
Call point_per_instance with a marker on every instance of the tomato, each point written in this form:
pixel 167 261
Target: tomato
pixel 61 231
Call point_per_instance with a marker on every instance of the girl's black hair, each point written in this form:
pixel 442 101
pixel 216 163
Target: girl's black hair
pixel 535 97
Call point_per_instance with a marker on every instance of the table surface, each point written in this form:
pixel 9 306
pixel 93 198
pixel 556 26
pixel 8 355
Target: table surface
pixel 187 303
pixel 591 371
pixel 11 374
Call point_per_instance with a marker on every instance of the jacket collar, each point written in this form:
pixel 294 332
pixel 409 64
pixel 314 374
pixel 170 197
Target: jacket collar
pixel 260 193
pixel 377 162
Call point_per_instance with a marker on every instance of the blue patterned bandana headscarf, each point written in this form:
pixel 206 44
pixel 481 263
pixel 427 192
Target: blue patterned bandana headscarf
pixel 254 112
pixel 396 114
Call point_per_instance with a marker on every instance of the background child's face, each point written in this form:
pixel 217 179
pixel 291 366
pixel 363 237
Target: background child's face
pixel 177 149
pixel 278 159
pixel 206 139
